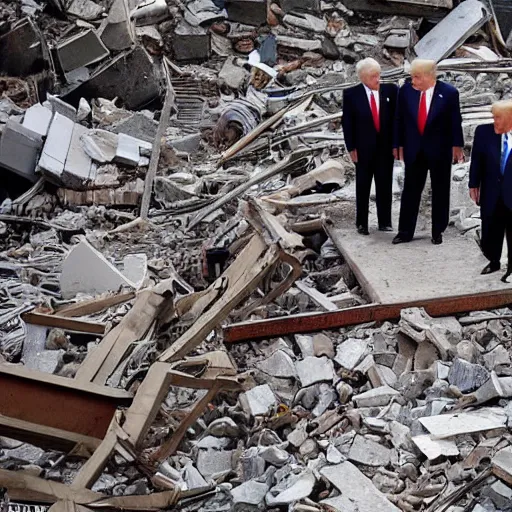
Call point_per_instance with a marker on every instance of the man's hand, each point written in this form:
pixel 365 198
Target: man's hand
pixel 474 193
pixel 398 153
pixel 458 155
pixel 353 155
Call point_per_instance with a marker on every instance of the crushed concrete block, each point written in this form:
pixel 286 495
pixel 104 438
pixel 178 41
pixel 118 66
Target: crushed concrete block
pixel 279 364
pixel 86 270
pixel 497 357
pixel 78 168
pixel 300 5
pixel 213 462
pixel 299 435
pixel 398 38
pixel 19 149
pixel 232 75
pixel 306 22
pixel 188 144
pixel 377 397
pixel 250 493
pixel 452 31
pixel 368 452
pixel 305 344
pixel 248 12
pixel 56 147
pixel 26 453
pixel 435 448
pixel 467 376
pixel 56 105
pixel 150 13
pixel 323 346
pixel 357 491
pixel 38 119
pixel 292 488
pixel 135 268
pixel 85 9
pixel 314 369
pixel 137 125
pixel 127 151
pixel 23 50
pixel 100 145
pixel 117 31
pixel 191 43
pixel 350 352
pixel 81 50
pixel 131 76
pixel 500 494
pixel 258 400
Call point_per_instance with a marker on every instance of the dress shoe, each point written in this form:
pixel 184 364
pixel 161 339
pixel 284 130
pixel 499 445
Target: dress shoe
pixel 401 239
pixel 493 266
pixel 362 230
pixel 437 239
pixel 505 278
pixel 385 228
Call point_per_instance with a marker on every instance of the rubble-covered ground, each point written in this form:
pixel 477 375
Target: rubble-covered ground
pixel 409 415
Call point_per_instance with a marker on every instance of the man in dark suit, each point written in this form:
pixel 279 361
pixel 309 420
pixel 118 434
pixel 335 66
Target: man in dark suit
pixel 490 184
pixel 428 136
pixel 368 119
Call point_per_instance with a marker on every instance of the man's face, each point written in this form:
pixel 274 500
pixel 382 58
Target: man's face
pixel 502 121
pixel 422 81
pixel 371 79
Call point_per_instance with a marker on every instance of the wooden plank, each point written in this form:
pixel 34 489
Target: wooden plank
pixel 318 298
pixel 502 465
pixel 45 437
pixel 104 359
pixel 26 488
pixel 242 278
pixel 60 322
pixel 90 307
pixel 312 322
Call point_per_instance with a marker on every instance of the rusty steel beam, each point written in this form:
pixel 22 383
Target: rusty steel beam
pixel 311 322
pixel 58 402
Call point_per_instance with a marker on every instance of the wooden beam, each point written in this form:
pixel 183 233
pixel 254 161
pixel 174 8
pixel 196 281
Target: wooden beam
pixel 312 322
pixel 46 437
pixel 92 306
pixel 318 298
pixel 60 322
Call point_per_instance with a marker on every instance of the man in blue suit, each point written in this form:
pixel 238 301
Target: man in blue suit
pixel 490 184
pixel 368 119
pixel 428 136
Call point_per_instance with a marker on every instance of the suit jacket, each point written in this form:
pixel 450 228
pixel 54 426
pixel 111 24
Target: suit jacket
pixel 485 172
pixel 443 130
pixel 358 126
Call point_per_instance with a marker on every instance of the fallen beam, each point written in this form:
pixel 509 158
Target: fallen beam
pixel 311 322
pixel 92 306
pixel 58 402
pixel 67 324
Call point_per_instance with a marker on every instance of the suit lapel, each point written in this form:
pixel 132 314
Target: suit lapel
pixel 434 104
pixel 364 100
pixel 382 105
pixel 496 149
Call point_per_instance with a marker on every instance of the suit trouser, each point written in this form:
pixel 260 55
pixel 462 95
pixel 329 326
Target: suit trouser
pixel 414 183
pixel 495 225
pixel 380 167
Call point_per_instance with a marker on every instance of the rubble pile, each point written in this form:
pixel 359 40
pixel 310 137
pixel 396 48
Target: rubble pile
pixel 159 183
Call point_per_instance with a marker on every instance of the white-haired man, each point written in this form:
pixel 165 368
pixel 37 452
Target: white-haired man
pixel 490 184
pixel 368 118
pixel 428 137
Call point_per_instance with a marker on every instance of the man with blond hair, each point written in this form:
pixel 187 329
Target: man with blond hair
pixel 490 184
pixel 368 119
pixel 428 137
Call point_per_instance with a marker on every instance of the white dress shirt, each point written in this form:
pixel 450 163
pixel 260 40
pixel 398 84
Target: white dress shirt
pixel 376 95
pixel 430 95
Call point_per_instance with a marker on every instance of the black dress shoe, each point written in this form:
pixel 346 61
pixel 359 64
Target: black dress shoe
pixel 507 275
pixel 401 239
pixel 437 239
pixel 362 230
pixel 385 228
pixel 493 266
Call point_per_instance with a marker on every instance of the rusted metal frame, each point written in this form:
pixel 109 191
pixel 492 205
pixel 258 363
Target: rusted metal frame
pixel 58 402
pixel 312 322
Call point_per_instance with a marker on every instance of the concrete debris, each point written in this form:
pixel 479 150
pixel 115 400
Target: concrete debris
pixel 315 369
pixel 259 400
pixel 81 50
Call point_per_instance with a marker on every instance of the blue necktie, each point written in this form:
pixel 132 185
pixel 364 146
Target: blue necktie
pixel 504 154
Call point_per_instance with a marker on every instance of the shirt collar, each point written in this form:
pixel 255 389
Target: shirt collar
pixel 368 90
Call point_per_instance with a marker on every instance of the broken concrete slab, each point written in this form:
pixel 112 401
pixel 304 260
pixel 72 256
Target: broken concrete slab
pixel 191 43
pixel 502 464
pixel 129 148
pixel 248 12
pixel 78 168
pixel 23 50
pixel 131 76
pixel 19 149
pixel 314 369
pixel 85 9
pixel 86 270
pixel 258 400
pixel 306 22
pixel 81 50
pixel 377 397
pixel 56 147
pixel 279 364
pixel 357 491
pixel 467 376
pixel 300 5
pixel 232 75
pixel 398 38
pixel 350 352
pixel 100 145
pixel 58 106
pixel 497 357
pixel 38 119
pixel 213 462
pixel 500 494
pixel 435 448
pixel 138 125
pixel 452 31
pixel 250 493
pixel 292 488
pixel 449 425
pixel 150 13
pixel 117 31
pixel 368 452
